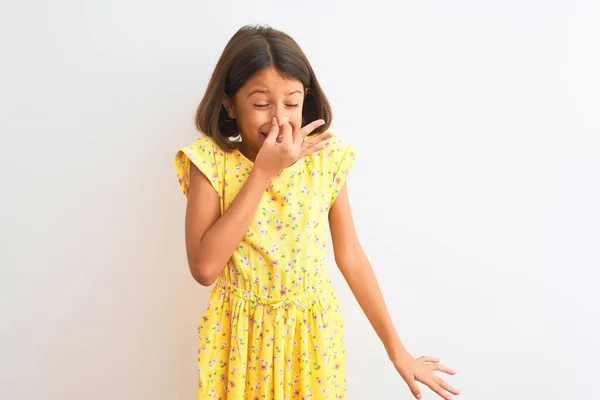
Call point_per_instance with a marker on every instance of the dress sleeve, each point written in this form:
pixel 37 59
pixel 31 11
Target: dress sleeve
pixel 203 154
pixel 341 159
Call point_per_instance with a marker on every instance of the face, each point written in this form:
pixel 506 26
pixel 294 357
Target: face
pixel 265 95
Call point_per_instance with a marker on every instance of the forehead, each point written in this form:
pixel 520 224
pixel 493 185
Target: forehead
pixel 272 79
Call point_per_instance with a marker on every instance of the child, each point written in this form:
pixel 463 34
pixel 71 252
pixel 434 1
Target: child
pixel 263 182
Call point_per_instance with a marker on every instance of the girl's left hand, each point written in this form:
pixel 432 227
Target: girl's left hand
pixel 421 369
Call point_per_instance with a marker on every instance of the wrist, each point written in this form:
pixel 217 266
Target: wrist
pixel 397 353
pixel 260 176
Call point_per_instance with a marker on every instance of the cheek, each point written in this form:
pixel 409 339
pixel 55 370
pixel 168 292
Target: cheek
pixel 296 118
pixel 252 121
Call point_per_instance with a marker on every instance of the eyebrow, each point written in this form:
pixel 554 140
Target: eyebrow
pixel 264 91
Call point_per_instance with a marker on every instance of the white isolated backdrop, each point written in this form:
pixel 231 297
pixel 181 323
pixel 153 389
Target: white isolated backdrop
pixel 476 192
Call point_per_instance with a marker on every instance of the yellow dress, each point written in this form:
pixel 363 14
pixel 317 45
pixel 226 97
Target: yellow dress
pixel 273 327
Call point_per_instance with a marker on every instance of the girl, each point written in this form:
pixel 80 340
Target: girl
pixel 263 183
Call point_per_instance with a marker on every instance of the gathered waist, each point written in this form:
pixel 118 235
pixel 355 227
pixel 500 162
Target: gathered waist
pixel 302 300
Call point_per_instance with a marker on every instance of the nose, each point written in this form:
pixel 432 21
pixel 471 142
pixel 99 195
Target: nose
pixel 280 113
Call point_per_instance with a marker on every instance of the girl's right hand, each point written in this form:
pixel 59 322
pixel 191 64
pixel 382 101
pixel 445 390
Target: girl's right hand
pixel 275 155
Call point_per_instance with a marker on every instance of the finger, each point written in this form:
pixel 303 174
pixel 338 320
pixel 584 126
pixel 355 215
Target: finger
pixel 317 139
pixel 273 131
pixel 414 388
pixel 442 368
pixel 311 127
pixel 314 149
pixel 428 359
pixel 444 385
pixel 286 131
pixel 438 389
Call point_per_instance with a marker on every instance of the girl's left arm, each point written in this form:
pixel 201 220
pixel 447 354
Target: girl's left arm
pixel 356 269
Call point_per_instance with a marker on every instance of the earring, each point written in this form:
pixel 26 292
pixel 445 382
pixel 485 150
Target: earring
pixel 235 139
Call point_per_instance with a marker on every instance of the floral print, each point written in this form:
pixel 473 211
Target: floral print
pixel 273 327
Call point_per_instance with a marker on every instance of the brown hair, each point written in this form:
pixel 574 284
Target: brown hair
pixel 251 49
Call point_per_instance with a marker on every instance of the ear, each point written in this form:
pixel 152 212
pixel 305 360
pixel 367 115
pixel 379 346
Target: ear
pixel 228 104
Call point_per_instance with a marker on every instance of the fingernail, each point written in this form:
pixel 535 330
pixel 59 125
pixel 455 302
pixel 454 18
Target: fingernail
pixel 419 396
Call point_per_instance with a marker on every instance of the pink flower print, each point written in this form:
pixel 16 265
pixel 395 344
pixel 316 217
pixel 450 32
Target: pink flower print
pixel 337 366
pixel 212 363
pixel 278 225
pixel 319 381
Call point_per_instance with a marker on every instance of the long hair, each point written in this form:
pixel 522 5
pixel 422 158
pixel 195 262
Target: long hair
pixel 251 49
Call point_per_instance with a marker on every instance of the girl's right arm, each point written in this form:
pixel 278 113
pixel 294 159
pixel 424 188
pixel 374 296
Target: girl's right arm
pixel 211 238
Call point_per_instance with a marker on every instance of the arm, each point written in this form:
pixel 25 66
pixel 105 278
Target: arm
pixel 356 269
pixel 211 238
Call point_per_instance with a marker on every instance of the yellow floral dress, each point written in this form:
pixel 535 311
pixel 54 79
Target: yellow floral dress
pixel 273 327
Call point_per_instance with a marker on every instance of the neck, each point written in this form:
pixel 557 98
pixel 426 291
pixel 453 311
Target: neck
pixel 247 152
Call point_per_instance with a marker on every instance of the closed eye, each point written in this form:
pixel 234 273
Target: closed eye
pixel 267 105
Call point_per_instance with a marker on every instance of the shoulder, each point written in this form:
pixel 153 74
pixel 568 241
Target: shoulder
pixel 204 145
pixel 338 149
pixel 206 155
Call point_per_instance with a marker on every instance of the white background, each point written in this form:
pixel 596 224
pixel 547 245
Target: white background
pixel 476 193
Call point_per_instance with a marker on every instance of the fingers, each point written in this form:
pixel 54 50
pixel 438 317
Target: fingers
pixel 273 131
pixel 414 388
pixel 442 368
pixel 428 359
pixel 317 139
pixel 286 131
pixel 315 144
pixel 444 385
pixel 311 127
pixel 438 389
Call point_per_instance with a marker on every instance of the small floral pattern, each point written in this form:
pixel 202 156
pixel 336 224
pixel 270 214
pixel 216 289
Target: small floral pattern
pixel 273 327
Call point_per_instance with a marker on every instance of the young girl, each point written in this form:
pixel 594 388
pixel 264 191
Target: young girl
pixel 263 183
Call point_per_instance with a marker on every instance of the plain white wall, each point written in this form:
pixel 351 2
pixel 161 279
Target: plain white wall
pixel 476 192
